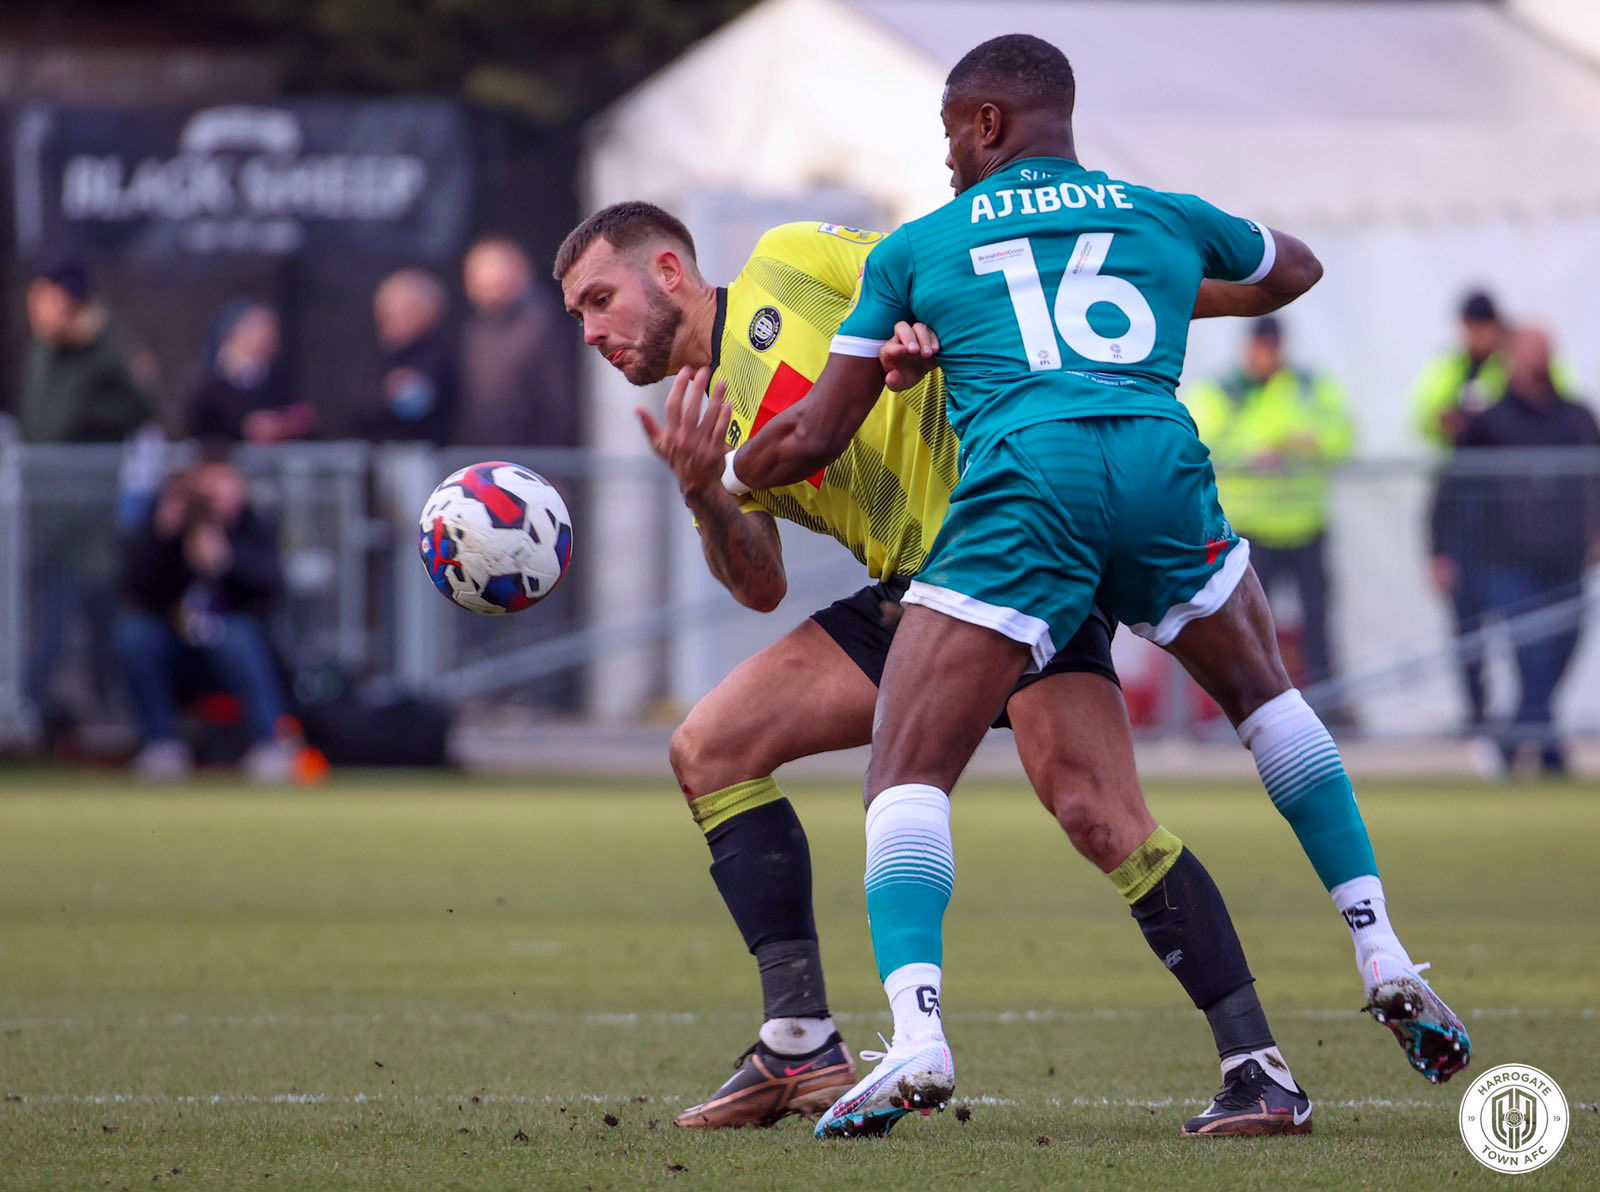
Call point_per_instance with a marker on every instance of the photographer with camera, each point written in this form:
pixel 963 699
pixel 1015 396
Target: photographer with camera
pixel 200 575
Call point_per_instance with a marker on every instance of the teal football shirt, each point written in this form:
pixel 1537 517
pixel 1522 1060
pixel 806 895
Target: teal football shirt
pixel 1056 292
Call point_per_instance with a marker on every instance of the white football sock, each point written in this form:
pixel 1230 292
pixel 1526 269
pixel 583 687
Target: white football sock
pixel 796 1036
pixel 913 991
pixel 1271 1061
pixel 1360 900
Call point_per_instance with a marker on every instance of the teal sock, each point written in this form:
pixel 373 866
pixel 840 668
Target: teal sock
pixel 911 870
pixel 1304 776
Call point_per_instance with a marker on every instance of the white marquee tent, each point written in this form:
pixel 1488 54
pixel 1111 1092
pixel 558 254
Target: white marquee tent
pixel 1420 148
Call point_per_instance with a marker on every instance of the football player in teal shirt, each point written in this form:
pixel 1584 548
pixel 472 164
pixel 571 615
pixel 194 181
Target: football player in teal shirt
pixel 1062 299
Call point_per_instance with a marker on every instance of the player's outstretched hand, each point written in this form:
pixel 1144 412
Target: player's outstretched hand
pixel 908 356
pixel 693 434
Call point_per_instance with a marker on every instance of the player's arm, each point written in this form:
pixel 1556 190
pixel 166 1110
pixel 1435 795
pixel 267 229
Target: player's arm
pixel 810 434
pixel 742 549
pixel 1295 269
pixel 1250 269
pixel 741 546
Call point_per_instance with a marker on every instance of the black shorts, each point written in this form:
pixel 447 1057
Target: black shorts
pixel 864 623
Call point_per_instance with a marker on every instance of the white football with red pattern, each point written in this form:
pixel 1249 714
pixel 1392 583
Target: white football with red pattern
pixel 495 537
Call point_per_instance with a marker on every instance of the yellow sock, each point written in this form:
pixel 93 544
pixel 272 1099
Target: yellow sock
pixel 718 807
pixel 1146 865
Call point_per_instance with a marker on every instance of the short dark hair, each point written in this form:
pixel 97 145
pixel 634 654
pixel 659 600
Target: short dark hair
pixel 1017 66
pixel 623 226
pixel 1267 329
pixel 70 274
pixel 1479 307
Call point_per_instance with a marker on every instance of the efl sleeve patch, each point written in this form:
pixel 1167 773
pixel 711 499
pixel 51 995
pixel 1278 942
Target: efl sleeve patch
pixel 853 235
pixel 883 298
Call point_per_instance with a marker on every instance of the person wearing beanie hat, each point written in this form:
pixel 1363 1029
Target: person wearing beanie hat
pixel 1478 309
pixel 1461 382
pixel 242 394
pixel 1470 378
pixel 77 386
pixel 69 274
pixel 1452 388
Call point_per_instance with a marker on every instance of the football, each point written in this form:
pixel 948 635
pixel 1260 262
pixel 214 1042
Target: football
pixel 495 538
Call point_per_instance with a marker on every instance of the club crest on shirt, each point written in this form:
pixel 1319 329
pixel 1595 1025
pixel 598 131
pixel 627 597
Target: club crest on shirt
pixel 764 328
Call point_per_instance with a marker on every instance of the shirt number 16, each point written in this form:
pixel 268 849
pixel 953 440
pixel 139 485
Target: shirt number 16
pixel 1082 285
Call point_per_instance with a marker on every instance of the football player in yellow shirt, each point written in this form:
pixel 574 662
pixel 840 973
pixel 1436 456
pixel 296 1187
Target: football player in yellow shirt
pixel 628 273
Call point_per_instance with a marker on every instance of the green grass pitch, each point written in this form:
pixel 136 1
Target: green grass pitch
pixel 449 982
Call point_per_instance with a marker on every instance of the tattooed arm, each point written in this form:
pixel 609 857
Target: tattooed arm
pixel 742 549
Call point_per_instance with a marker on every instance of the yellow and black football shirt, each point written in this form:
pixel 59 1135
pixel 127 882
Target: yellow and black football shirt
pixel 885 497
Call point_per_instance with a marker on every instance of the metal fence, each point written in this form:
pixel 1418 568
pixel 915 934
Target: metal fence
pixel 355 597
pixel 640 629
pixel 59 581
pixel 1397 646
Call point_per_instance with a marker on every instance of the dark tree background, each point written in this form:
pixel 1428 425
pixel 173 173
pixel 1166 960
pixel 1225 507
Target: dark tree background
pixel 553 62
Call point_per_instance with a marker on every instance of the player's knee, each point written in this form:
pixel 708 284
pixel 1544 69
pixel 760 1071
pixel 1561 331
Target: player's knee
pixel 687 754
pixel 1093 835
pixel 705 760
pixel 1078 801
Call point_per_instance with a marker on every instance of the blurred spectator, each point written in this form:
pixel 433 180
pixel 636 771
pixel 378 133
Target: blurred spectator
pixel 1467 379
pixel 516 367
pixel 417 399
pixel 1529 531
pixel 199 576
pixel 243 396
pixel 1450 390
pixel 1274 430
pixel 76 388
pixel 76 385
pixel 1444 398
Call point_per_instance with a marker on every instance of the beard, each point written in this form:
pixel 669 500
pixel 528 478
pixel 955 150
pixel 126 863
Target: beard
pixel 654 350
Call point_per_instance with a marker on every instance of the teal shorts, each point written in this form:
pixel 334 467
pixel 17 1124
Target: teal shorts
pixel 1058 515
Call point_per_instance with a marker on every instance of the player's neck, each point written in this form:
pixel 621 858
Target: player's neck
pixel 1055 147
pixel 695 348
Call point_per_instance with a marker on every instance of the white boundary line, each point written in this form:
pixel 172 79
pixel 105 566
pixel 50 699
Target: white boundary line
pixel 1446 1104
pixel 669 1018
